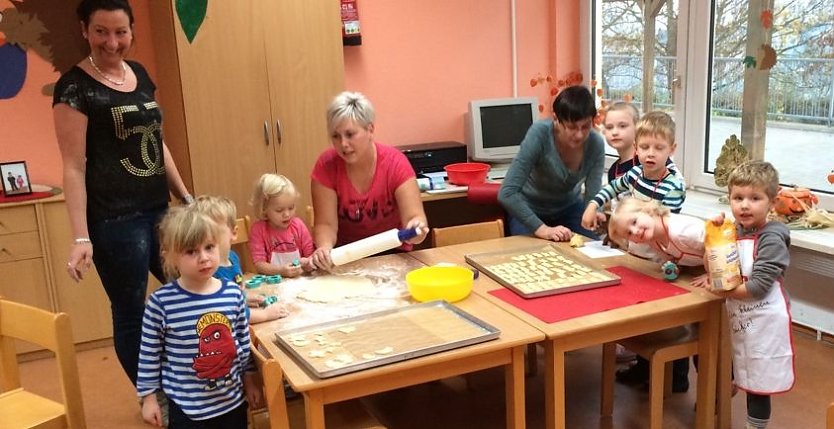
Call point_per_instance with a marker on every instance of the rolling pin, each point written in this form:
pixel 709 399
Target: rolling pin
pixel 371 245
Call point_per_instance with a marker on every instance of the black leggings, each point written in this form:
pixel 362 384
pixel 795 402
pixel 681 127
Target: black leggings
pixel 758 406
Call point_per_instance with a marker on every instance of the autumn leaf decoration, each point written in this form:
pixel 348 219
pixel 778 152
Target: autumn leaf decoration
pixel 604 104
pixel 191 14
pixel 767 57
pixel 766 18
pixel 554 85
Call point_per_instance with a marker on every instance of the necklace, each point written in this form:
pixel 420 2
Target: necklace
pixel 108 78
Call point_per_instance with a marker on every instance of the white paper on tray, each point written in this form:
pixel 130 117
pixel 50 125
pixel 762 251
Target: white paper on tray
pixel 595 249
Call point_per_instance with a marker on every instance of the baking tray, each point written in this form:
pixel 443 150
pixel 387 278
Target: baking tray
pixel 539 271
pixel 357 343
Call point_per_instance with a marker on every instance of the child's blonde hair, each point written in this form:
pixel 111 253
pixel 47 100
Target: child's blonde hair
pixel 656 124
pixel 624 106
pixel 755 173
pixel 181 229
pixel 631 205
pixel 268 186
pixel 220 209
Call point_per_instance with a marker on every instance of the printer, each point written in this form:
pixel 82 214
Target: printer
pixel 432 157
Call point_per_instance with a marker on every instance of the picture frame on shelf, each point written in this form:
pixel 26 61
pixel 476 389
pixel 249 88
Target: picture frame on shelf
pixel 15 178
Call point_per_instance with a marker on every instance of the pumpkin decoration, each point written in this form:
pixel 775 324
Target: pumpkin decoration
pixel 831 177
pixel 794 201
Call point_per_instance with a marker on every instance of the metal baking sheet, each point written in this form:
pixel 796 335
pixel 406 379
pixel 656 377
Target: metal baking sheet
pixel 357 343
pixel 539 271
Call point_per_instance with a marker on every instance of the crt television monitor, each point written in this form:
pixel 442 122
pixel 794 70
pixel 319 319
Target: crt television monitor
pixel 496 127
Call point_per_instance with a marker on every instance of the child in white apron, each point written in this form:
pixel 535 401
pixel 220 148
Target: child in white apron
pixel 279 241
pixel 758 310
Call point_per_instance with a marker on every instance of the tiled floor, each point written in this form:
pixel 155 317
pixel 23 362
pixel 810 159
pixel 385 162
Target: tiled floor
pixel 111 403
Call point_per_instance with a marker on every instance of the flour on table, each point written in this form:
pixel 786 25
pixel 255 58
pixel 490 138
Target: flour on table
pixel 330 289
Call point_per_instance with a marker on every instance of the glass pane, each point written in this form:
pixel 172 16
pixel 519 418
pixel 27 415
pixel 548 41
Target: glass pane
pixel 800 121
pixel 622 49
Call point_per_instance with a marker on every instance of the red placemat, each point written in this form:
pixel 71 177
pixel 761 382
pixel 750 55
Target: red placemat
pixel 634 289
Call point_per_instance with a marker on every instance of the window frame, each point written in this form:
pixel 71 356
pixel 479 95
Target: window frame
pixel 692 133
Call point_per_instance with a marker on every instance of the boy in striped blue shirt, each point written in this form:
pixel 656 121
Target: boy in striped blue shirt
pixel 195 334
pixel 652 179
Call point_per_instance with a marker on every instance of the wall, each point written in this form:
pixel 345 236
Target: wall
pixel 420 64
pixel 26 128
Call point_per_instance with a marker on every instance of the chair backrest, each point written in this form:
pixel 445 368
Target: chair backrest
pixel 311 218
pixel 273 382
pixel 466 233
pixel 51 331
pixel 241 244
pixel 829 420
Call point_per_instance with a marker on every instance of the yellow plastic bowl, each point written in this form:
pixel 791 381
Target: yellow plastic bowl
pixel 452 283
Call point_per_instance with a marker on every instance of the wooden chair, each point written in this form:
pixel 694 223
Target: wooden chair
pixel 346 414
pixel 829 420
pixel 20 408
pixel 241 244
pixel 660 349
pixel 311 218
pixel 467 233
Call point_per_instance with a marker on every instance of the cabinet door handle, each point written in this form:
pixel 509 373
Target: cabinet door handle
pixel 278 132
pixel 266 132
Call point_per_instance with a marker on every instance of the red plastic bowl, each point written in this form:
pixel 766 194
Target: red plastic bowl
pixel 466 173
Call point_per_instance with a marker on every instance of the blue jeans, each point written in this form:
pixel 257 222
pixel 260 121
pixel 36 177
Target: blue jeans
pixel 124 250
pixel 570 216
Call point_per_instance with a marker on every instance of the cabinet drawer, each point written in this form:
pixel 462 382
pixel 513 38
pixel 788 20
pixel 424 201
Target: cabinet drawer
pixel 20 246
pixel 18 219
pixel 25 282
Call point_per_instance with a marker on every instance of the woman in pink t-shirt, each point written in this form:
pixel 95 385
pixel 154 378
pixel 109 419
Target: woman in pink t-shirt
pixel 361 187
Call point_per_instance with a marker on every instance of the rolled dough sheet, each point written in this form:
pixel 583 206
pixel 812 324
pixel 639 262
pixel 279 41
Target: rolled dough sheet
pixel 330 289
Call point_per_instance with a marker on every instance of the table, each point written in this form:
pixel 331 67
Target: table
pixel 507 351
pixel 563 336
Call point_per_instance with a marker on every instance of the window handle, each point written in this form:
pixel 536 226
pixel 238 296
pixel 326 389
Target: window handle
pixel 677 81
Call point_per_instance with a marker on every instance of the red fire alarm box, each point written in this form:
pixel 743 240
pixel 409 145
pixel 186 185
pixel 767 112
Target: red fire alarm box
pixel 351 35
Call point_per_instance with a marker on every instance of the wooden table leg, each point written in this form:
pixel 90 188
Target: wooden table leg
pixel 708 338
pixel 514 385
pixel 725 375
pixel 554 386
pixel 609 364
pixel 314 409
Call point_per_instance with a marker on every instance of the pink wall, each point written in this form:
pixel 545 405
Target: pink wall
pixel 26 129
pixel 420 64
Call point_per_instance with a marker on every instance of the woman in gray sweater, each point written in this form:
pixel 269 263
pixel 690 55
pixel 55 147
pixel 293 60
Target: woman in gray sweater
pixel 541 191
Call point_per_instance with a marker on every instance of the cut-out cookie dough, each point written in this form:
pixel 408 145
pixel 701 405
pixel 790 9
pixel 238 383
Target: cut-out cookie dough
pixel 301 343
pixel 330 289
pixel 347 329
pixel 339 361
pixel 368 356
pixel 384 351
pixel 317 353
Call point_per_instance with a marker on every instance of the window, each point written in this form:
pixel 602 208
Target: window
pixel 795 105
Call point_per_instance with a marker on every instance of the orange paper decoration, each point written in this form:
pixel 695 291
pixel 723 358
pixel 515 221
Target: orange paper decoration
pixel 767 19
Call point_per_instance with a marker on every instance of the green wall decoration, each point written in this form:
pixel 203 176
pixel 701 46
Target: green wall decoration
pixel 191 14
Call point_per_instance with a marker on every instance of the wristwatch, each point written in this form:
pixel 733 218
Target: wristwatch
pixel 187 199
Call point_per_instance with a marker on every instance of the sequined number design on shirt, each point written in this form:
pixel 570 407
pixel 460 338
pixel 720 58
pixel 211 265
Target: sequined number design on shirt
pixel 150 146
